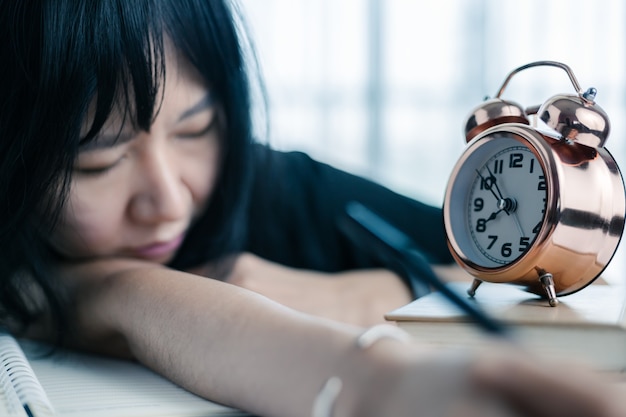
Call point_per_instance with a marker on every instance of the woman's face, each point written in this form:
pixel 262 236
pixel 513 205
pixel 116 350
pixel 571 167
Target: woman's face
pixel 137 196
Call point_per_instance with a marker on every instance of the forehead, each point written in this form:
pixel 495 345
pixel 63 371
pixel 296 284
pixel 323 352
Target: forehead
pixel 176 79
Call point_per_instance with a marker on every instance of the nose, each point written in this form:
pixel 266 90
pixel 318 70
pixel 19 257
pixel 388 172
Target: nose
pixel 160 194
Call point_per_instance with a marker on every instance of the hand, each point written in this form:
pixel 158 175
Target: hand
pixel 356 297
pixel 438 384
pixel 499 381
pixel 550 389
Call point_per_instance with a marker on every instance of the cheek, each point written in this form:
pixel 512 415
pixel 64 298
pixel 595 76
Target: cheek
pixel 201 169
pixel 88 228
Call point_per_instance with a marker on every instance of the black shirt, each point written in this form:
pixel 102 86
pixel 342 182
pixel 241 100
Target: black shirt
pixel 297 205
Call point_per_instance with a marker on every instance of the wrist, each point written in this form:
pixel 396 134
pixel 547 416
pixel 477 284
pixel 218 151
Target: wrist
pixel 380 357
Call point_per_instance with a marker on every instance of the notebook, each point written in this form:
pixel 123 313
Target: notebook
pixel 588 326
pixel 72 384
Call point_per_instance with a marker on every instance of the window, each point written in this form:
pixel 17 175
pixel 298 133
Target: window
pixel 381 88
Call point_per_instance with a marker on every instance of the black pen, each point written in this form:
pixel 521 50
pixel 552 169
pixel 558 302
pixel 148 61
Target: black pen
pixel 28 411
pixel 412 259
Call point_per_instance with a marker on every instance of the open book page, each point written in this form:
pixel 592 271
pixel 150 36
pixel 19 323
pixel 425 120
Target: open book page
pixel 93 386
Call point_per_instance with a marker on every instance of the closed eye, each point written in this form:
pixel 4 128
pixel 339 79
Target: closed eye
pixel 96 171
pixel 199 134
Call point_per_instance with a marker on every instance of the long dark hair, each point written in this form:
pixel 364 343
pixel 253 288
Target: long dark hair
pixel 57 58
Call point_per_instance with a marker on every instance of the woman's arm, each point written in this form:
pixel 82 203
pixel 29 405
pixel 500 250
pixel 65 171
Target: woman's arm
pixel 215 339
pixel 239 348
pixel 360 297
pixel 210 337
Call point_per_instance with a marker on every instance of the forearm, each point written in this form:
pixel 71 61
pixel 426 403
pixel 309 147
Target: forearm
pixel 239 348
pixel 226 343
pixel 360 297
pixel 367 295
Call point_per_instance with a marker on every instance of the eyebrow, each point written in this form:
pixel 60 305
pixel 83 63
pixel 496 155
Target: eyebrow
pixel 109 140
pixel 205 103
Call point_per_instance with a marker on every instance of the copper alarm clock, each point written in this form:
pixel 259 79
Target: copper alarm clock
pixel 540 204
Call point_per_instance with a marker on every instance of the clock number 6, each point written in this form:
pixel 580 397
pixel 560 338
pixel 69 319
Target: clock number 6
pixel 506 250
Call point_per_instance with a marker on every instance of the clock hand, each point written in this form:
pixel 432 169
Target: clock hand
pixel 519 225
pixel 493 215
pixel 490 188
pixel 503 203
pixel 509 206
pixel 502 200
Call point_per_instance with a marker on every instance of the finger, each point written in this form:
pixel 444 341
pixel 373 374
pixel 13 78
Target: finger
pixel 547 389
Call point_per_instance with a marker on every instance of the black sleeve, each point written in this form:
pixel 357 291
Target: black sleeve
pixel 297 204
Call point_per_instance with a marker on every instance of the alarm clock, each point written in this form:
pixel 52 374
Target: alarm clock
pixel 535 199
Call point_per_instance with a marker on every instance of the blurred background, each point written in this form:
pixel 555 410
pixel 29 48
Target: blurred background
pixel 382 88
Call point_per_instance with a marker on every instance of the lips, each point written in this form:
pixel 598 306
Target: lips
pixel 160 249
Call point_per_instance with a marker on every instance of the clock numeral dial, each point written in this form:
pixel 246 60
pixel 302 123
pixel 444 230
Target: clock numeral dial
pixel 541 185
pixel 524 243
pixel 507 203
pixel 497 166
pixel 507 251
pixel 516 160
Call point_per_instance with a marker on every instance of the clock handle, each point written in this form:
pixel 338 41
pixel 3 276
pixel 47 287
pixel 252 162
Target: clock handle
pixel 583 94
pixel 576 117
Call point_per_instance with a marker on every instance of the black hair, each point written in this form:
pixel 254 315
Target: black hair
pixel 57 58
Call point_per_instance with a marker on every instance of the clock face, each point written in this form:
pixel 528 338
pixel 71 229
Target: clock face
pixel 499 201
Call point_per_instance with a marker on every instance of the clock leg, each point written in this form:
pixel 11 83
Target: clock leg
pixel 475 284
pixel 548 285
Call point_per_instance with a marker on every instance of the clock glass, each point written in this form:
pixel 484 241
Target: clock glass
pixel 498 201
